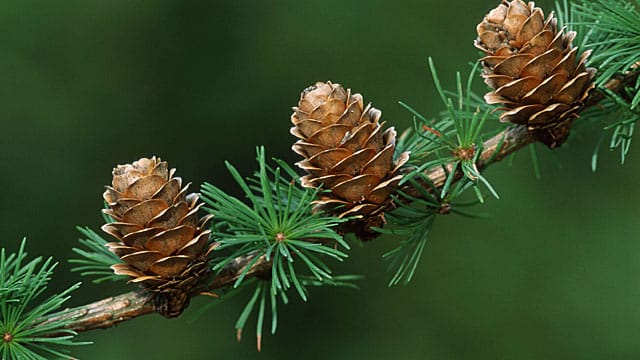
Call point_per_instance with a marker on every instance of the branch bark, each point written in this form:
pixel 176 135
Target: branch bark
pixel 108 312
pixel 105 313
pixel 113 310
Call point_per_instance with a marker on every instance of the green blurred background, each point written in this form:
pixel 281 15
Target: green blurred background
pixel 553 273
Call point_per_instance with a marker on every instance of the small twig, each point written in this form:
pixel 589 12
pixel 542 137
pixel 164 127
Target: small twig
pixel 111 311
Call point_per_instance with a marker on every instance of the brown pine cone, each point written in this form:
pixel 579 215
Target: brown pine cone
pixel 534 70
pixel 164 245
pixel 347 152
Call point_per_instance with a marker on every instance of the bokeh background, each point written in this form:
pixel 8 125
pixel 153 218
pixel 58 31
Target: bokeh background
pixel 553 273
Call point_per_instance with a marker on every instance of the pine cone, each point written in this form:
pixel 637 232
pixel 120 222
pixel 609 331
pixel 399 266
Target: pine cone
pixel 532 67
pixel 346 152
pixel 160 238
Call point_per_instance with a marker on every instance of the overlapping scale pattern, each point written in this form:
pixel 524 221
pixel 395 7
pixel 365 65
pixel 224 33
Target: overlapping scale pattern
pixel 536 73
pixel 161 239
pixel 346 151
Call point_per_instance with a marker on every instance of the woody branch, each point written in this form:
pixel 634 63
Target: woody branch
pixel 108 312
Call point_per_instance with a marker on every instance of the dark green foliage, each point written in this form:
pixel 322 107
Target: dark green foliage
pixel 613 35
pixel 611 30
pixel 96 258
pixel 454 142
pixel 619 124
pixel 263 294
pixel 24 327
pixel 412 222
pixel 279 226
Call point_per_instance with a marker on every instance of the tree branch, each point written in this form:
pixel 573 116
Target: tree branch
pixel 113 310
pixel 108 312
pixel 104 313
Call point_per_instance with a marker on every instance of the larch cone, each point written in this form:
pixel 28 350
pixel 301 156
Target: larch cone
pixel 160 238
pixel 537 75
pixel 347 152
